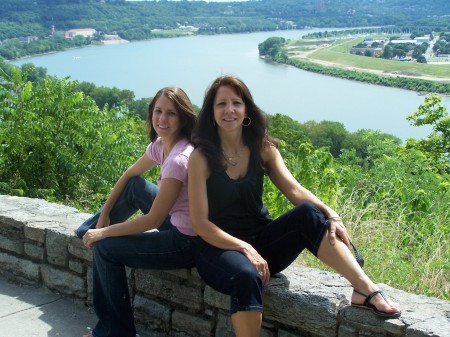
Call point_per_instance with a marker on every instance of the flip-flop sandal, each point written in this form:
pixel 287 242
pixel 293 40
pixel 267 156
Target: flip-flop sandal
pixel 369 306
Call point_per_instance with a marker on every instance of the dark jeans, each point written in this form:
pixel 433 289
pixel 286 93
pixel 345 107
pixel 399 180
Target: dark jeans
pixel 168 249
pixel 138 194
pixel 281 241
pixel 164 249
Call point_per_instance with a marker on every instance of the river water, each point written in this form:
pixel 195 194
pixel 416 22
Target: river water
pixel 194 62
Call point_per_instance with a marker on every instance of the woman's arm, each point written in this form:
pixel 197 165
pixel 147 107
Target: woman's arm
pixel 296 193
pixel 198 173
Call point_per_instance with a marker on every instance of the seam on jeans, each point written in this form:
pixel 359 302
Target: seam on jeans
pixel 258 308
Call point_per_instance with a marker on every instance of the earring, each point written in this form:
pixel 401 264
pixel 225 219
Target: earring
pixel 249 121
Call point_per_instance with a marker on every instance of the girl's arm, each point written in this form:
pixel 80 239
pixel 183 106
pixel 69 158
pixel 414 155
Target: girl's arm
pixel 142 165
pixel 296 193
pixel 198 173
pixel 165 199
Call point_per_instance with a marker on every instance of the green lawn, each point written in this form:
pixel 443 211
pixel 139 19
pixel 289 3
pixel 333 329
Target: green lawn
pixel 339 53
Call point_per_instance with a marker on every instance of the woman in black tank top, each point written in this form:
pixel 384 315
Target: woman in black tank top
pixel 240 244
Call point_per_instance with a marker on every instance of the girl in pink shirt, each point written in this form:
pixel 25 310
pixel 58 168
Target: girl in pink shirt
pixel 118 242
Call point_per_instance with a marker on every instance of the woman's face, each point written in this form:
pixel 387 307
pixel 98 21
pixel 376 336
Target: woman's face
pixel 229 108
pixel 165 118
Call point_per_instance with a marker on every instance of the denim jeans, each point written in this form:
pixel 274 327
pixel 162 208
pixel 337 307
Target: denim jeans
pixel 138 194
pixel 162 250
pixel 280 242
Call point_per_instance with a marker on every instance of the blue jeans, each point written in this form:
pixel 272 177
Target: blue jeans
pixel 280 242
pixel 138 194
pixel 162 250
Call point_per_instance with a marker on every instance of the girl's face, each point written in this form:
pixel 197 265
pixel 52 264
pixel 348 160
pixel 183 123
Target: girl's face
pixel 229 108
pixel 165 118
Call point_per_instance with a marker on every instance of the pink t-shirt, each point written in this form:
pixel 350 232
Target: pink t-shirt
pixel 175 166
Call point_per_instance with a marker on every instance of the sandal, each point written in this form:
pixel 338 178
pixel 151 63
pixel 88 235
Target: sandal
pixel 367 305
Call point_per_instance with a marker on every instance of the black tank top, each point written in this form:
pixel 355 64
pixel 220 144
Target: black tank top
pixel 236 205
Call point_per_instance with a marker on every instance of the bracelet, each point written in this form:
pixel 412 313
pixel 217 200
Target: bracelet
pixel 334 218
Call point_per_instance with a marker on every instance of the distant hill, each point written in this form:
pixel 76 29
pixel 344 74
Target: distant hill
pixel 134 20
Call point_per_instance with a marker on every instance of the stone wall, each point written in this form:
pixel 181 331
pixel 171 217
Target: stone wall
pixel 37 247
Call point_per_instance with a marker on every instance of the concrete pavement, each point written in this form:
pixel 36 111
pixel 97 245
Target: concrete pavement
pixel 27 311
pixel 37 312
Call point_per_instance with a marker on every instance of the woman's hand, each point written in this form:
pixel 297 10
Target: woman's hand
pixel 338 229
pixel 92 236
pixel 260 264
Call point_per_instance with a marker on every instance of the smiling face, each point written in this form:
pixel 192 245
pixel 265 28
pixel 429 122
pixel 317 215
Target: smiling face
pixel 165 118
pixel 229 108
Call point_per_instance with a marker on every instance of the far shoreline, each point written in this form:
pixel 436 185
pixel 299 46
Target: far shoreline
pixel 323 64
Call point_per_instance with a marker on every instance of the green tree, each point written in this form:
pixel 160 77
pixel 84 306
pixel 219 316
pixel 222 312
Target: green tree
pixel 432 112
pixel 272 47
pixel 388 52
pixel 56 143
pixel 326 134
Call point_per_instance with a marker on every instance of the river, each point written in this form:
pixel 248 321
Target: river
pixel 194 62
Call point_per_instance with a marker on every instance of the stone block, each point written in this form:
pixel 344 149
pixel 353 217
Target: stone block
pixel 434 327
pixel 77 266
pixel 63 282
pixel 224 326
pixel 23 270
pixel 190 324
pixel 76 248
pixel 303 311
pixel 369 333
pixel 34 232
pixel 56 244
pixel 216 299
pixel 286 333
pixel 13 219
pixel 347 331
pixel 11 245
pixel 174 291
pixel 35 252
pixel 153 315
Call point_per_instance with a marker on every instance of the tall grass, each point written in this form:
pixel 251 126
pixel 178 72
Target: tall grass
pixel 397 217
pixel 393 254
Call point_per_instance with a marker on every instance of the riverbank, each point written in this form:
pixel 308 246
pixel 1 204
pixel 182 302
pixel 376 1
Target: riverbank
pixel 329 56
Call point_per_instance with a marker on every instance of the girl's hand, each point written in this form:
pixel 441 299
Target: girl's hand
pixel 103 221
pixel 92 236
pixel 260 264
pixel 338 229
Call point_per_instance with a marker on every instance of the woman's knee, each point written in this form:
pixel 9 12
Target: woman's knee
pixel 246 281
pixel 309 212
pixel 246 291
pixel 134 183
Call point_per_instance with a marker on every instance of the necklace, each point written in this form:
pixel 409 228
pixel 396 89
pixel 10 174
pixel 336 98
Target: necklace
pixel 232 160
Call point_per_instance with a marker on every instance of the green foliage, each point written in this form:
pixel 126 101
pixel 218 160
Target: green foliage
pixel 326 134
pixel 399 82
pixel 104 96
pixel 392 199
pixel 56 143
pixel 273 49
pixel 437 146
